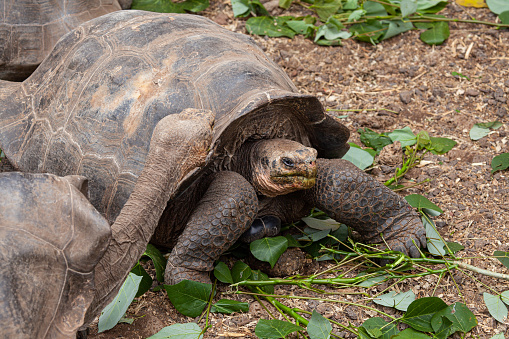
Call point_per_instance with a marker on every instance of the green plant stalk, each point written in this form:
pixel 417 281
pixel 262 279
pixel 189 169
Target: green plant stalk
pixel 304 282
pixel 420 18
pixel 411 162
pixel 209 306
pixel 261 294
pixel 410 186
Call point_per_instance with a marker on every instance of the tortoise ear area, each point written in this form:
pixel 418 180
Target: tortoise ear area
pixel 80 182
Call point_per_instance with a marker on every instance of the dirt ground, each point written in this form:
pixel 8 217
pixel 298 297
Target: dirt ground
pixel 414 80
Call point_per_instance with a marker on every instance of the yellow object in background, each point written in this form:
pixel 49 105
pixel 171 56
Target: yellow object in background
pixel 472 3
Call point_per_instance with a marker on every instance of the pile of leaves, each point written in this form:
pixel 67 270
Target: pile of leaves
pixel 334 20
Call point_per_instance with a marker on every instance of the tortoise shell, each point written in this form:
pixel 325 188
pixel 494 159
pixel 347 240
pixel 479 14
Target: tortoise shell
pixel 51 239
pixel 91 106
pixel 29 29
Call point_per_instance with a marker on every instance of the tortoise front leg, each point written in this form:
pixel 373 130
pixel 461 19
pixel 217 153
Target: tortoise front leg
pixel 227 209
pixel 356 199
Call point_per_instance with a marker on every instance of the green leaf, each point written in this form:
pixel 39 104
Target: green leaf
pixel 222 273
pixel 404 135
pixel 410 333
pixel 269 249
pixel 431 6
pixel 419 201
pixel 240 8
pixel 408 7
pixel 351 5
pixel 440 145
pixel 312 234
pixel 125 320
pixel 498 6
pixel 117 308
pixel 189 297
pixel 435 243
pixel 482 129
pixel 285 4
pixel 146 279
pixel 420 312
pixel 326 8
pixel 273 328
pixel 505 297
pixel 356 15
pixel 319 327
pixel 359 157
pixel 504 17
pixel 400 301
pixel 397 27
pixel 461 317
pixel 500 162
pixel 332 31
pixel 314 249
pixel 445 330
pixel 240 271
pixel 374 8
pixel 373 139
pixel 455 247
pixel 495 306
pixel 371 31
pixel 159 261
pixel 503 257
pixel 179 331
pixel 168 6
pixel 423 139
pixel 292 242
pixel 377 323
pixel 321 224
pixel 478 132
pixel 373 281
pixel 304 27
pixel 273 27
pixel 243 8
pixel 229 306
pixel 257 275
pixel 498 336
pixel 436 33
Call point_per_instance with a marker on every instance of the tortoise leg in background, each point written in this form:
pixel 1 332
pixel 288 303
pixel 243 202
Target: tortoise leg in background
pixel 350 196
pixel 227 210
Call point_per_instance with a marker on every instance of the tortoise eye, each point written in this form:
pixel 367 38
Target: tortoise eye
pixel 288 162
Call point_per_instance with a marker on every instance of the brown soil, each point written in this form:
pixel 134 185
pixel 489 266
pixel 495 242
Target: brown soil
pixel 414 80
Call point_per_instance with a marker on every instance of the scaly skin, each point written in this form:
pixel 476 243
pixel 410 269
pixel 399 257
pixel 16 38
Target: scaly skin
pixel 227 209
pixel 350 196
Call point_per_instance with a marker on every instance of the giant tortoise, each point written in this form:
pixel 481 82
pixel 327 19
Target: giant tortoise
pixel 54 244
pixel 91 107
pixel 30 28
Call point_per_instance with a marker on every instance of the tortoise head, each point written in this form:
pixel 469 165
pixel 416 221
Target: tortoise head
pixel 280 166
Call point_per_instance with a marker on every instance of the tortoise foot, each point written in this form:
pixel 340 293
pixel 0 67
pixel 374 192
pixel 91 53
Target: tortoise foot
pixel 401 233
pixel 266 226
pixel 176 274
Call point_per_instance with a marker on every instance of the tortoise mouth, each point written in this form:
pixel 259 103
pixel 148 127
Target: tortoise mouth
pixel 296 181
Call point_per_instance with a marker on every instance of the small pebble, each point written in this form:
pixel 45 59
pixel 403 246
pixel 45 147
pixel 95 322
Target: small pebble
pixel 472 92
pixel 406 96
